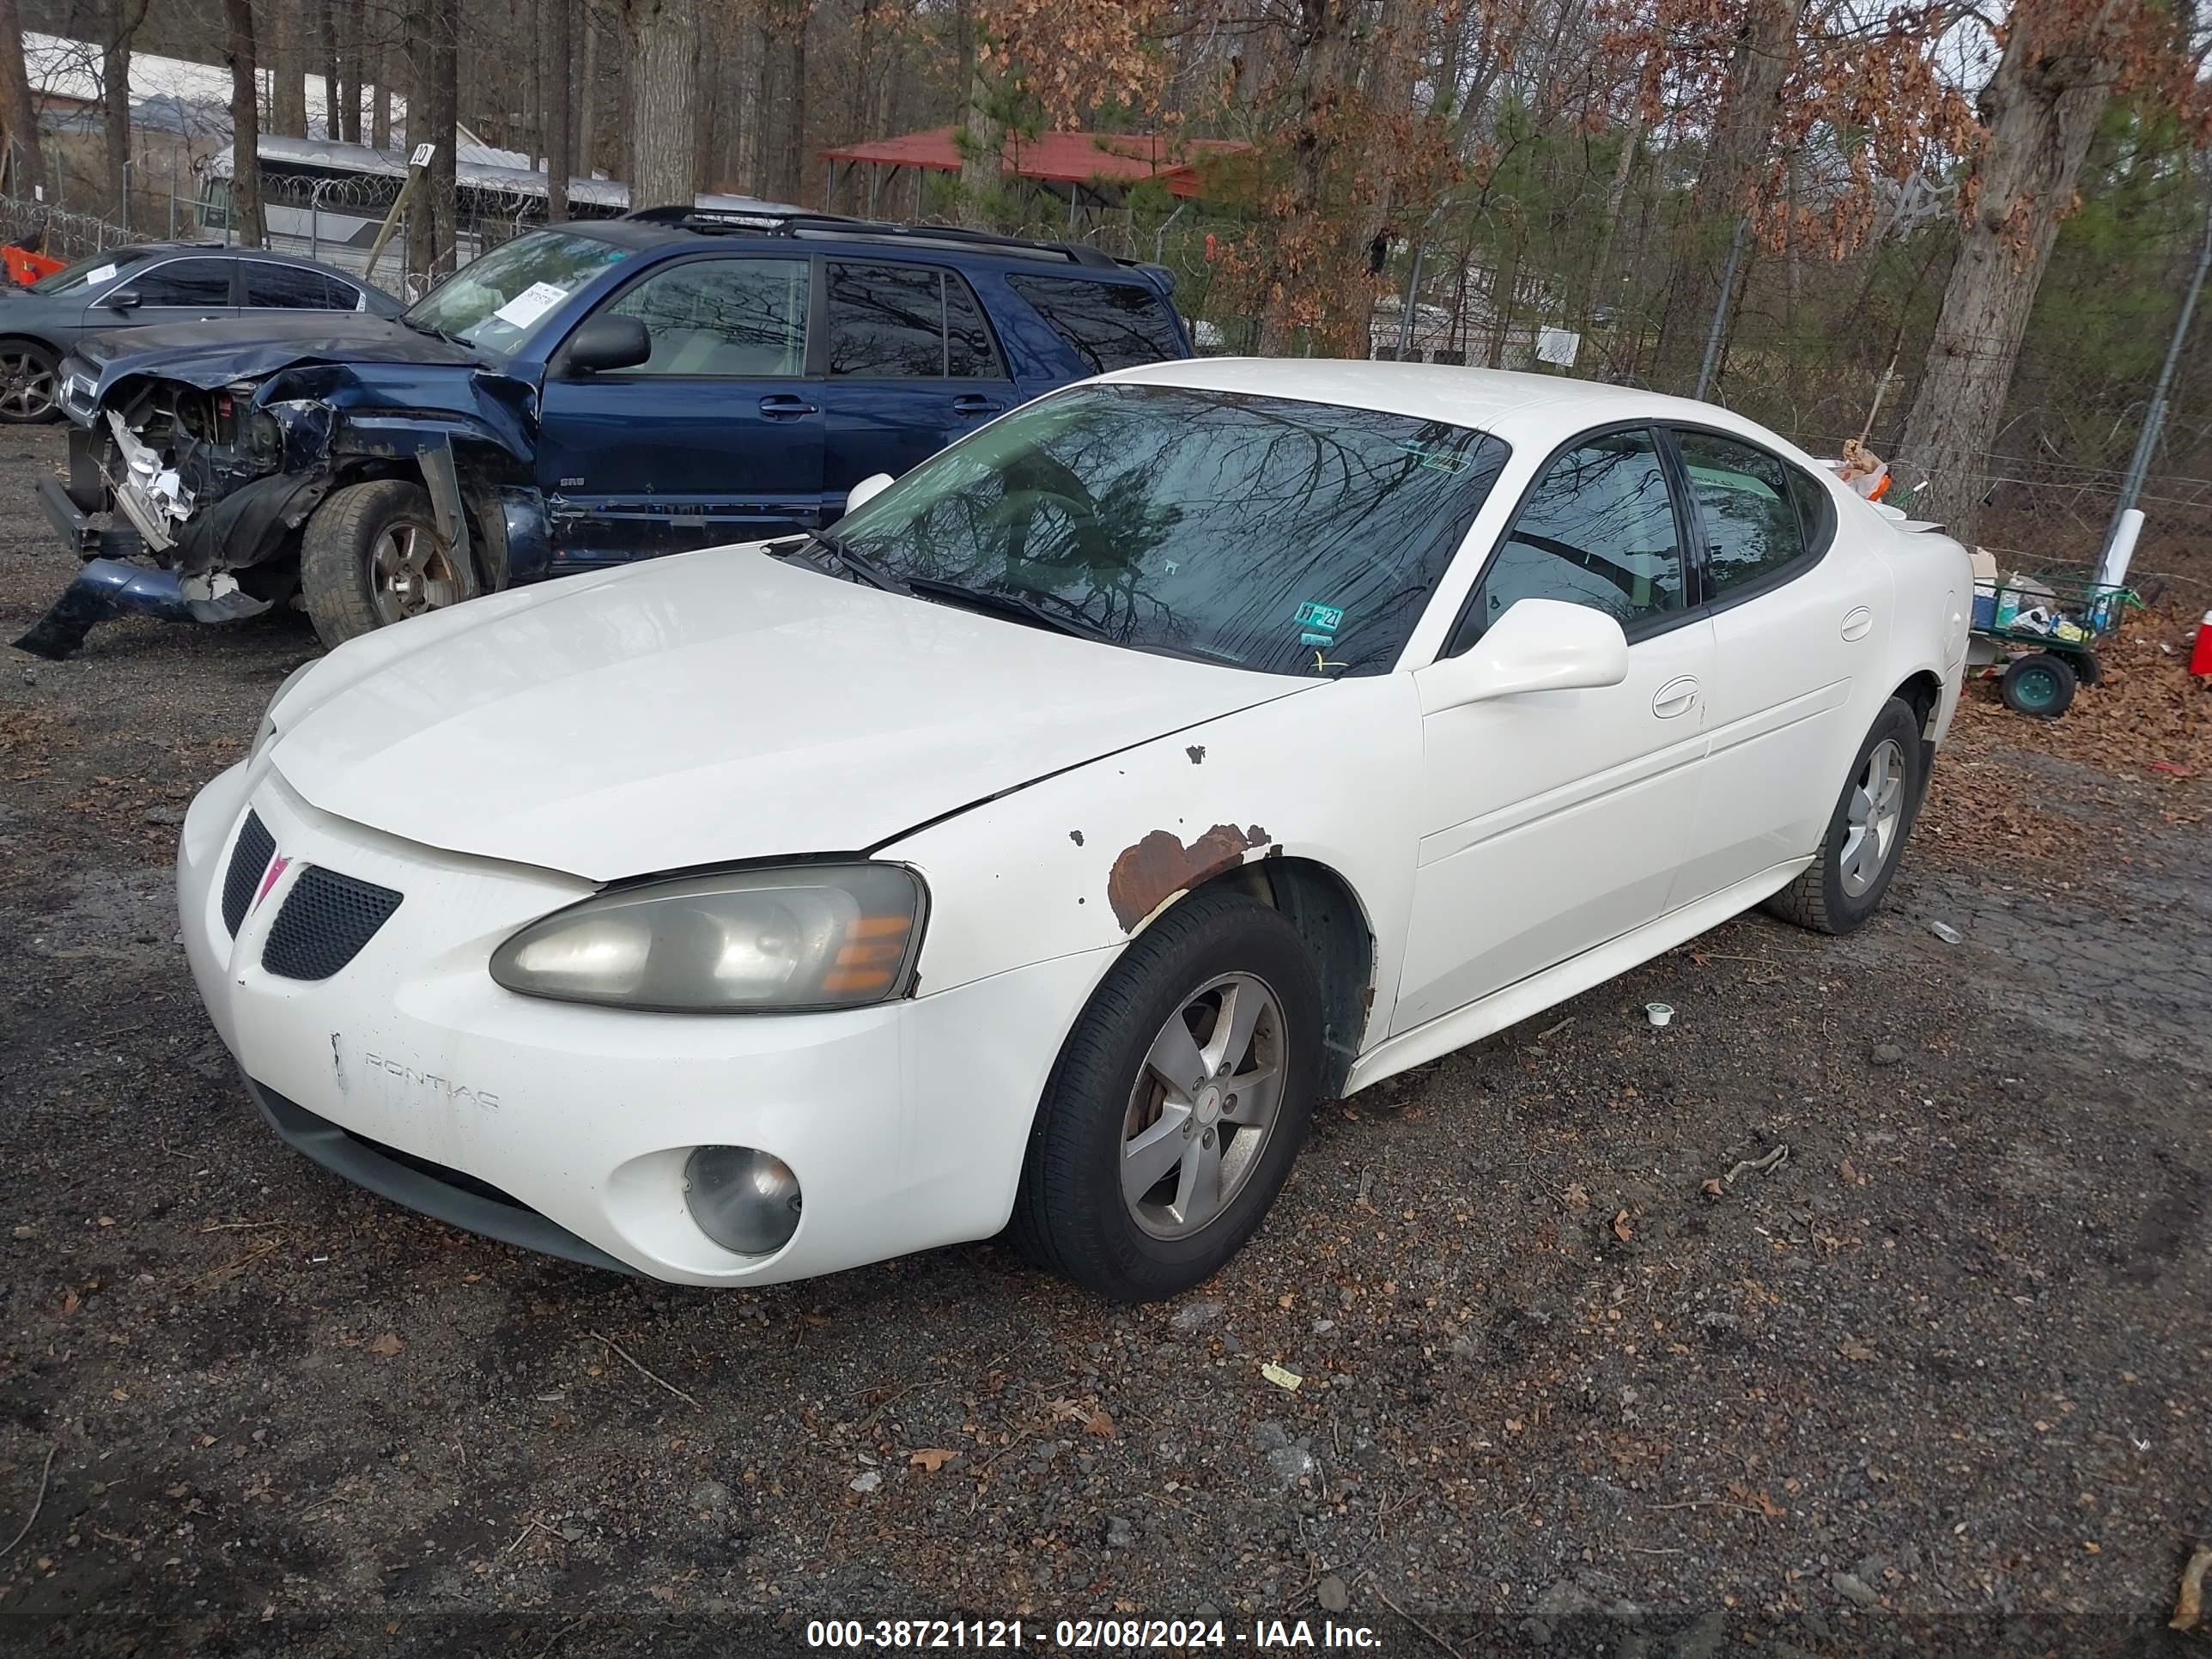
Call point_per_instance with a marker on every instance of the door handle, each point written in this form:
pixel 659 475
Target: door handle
pixel 1858 623
pixel 1678 696
pixel 973 403
pixel 782 406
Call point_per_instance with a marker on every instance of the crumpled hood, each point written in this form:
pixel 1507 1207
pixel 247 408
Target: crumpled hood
pixel 710 708
pixel 212 354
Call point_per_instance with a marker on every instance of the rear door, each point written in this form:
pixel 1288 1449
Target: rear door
pixel 269 288
pixel 195 289
pixel 716 437
pixel 910 364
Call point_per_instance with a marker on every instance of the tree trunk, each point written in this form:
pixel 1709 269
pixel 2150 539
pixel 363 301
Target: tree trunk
pixel 380 102
pixel 17 113
pixel 553 119
pixel 324 20
pixel 351 56
pixel 244 126
pixel 1735 160
pixel 2040 111
pixel 783 139
pixel 421 219
pixel 123 17
pixel 587 90
pixel 444 116
pixel 664 36
pixel 287 67
pixel 1298 255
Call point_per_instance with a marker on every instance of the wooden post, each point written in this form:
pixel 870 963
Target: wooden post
pixel 417 165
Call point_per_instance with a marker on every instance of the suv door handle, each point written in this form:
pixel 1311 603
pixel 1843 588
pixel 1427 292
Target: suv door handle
pixel 782 406
pixel 1678 696
pixel 975 403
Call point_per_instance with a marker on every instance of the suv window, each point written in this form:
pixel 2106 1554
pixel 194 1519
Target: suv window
pixel 906 322
pixel 184 283
pixel 1751 513
pixel 294 288
pixel 1598 530
pixel 726 319
pixel 1109 325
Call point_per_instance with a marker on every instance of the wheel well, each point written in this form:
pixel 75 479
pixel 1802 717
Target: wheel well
pixel 1322 906
pixel 1923 694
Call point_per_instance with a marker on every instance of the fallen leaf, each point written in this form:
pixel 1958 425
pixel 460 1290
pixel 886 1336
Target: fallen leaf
pixel 1849 1172
pixel 1100 1424
pixel 1620 1227
pixel 931 1458
pixel 1852 1348
pixel 70 1303
pixel 1712 1188
pixel 387 1344
pixel 1577 1197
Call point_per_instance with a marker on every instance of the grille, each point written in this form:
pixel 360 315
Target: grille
pixel 325 920
pixel 256 846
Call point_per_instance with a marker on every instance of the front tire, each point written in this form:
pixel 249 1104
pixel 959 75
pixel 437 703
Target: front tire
pixel 1178 1104
pixel 371 556
pixel 28 385
pixel 1843 887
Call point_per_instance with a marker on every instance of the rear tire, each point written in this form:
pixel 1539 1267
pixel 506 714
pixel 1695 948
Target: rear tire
pixel 1843 886
pixel 371 556
pixel 1232 974
pixel 2040 685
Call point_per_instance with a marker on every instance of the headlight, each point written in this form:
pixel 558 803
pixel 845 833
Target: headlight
pixel 804 936
pixel 268 727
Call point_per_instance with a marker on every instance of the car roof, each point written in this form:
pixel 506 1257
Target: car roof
pixel 1505 401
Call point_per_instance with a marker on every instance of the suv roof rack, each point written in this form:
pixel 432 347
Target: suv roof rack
pixel 796 223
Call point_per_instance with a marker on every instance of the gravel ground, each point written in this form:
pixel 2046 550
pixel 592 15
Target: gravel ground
pixel 1935 1378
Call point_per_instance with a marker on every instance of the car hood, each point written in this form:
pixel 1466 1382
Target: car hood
pixel 711 707
pixel 218 353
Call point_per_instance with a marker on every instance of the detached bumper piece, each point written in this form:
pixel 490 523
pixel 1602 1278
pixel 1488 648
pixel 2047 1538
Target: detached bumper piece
pixel 107 588
pixel 430 1189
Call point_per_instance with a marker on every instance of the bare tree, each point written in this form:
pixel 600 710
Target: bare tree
pixel 123 17
pixel 553 117
pixel 17 113
pixel 664 38
pixel 783 102
pixel 288 66
pixel 244 125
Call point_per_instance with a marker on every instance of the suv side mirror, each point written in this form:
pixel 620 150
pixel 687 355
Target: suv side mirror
pixel 866 491
pixel 121 299
pixel 607 343
pixel 1537 644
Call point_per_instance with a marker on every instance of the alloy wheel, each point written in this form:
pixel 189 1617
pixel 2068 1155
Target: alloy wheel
pixel 1203 1106
pixel 410 572
pixel 26 387
pixel 1873 816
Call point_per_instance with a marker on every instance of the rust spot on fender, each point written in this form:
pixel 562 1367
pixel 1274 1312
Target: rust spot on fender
pixel 1159 867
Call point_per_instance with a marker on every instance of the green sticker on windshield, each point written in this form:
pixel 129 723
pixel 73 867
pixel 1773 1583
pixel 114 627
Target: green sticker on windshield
pixel 1326 617
pixel 1436 460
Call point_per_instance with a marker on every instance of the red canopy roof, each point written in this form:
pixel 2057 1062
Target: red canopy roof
pixel 1065 158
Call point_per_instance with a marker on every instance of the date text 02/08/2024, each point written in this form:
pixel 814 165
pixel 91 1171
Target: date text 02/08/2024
pixel 1089 1635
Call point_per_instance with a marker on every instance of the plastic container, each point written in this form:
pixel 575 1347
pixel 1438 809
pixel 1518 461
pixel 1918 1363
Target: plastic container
pixel 1659 1013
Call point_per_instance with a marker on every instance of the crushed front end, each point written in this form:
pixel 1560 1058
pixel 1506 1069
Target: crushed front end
pixel 203 490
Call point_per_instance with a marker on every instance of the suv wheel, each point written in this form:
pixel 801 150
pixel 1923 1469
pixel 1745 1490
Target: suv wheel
pixel 1178 1104
pixel 371 556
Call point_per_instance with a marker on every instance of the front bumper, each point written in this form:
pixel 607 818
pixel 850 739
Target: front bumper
pixel 410 1071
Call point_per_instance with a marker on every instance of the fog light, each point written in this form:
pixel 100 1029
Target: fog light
pixel 742 1197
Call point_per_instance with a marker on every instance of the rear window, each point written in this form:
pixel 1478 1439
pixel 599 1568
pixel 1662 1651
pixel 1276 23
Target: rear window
pixel 1109 325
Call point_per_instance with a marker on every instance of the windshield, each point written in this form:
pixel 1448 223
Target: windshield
pixel 497 300
pixel 1289 537
pixel 89 272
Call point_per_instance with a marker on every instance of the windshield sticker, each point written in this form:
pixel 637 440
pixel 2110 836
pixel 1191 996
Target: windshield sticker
pixel 1436 460
pixel 1323 618
pixel 528 307
pixel 93 278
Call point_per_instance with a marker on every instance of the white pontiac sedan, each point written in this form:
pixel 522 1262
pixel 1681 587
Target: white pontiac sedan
pixel 1032 851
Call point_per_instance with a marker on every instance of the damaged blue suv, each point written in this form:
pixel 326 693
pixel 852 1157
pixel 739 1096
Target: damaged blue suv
pixel 584 395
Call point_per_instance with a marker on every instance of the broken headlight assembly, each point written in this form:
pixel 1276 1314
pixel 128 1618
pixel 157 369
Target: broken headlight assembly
pixel 801 937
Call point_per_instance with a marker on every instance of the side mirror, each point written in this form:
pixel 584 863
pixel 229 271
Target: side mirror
pixel 605 343
pixel 1537 644
pixel 121 299
pixel 866 491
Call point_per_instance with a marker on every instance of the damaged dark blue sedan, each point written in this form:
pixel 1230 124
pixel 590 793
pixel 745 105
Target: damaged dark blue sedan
pixel 583 396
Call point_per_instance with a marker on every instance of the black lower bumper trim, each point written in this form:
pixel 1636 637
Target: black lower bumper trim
pixel 418 1184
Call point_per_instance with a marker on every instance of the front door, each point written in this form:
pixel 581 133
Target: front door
pixel 193 291
pixel 1554 821
pixel 912 366
pixel 716 437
